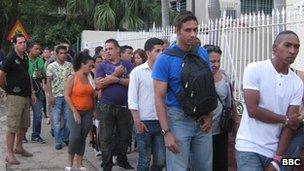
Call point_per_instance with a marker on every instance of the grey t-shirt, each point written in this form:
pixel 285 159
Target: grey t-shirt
pixel 222 90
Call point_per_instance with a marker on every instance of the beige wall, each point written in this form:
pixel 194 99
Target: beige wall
pixel 201 9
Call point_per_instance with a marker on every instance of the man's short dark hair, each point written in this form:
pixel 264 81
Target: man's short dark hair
pixel 60 47
pixel 113 41
pixel 150 43
pixel 65 40
pixel 98 49
pixel 16 36
pixel 182 18
pixel 33 44
pixel 278 39
pixel 124 48
pixel 46 48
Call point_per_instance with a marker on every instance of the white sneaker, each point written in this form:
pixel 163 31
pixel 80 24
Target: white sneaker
pixel 68 169
pixel 97 153
pixel 82 169
pixel 114 159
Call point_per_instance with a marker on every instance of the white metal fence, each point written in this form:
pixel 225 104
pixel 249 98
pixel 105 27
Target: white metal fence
pixel 243 40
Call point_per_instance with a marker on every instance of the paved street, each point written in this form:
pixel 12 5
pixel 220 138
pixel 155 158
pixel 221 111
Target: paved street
pixel 45 156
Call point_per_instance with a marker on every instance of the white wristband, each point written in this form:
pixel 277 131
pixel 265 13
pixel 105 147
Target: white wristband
pixel 275 165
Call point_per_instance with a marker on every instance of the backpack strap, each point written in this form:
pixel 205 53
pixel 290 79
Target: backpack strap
pixel 218 97
pixel 179 53
pixel 175 52
pixel 230 91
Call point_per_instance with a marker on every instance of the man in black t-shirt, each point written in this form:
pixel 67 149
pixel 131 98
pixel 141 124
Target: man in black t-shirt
pixel 16 82
pixel 1 56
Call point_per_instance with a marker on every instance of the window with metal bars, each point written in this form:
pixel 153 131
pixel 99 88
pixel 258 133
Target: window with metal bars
pixel 253 6
pixel 179 5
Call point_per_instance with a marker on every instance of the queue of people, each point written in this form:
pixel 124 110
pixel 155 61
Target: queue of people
pixel 155 94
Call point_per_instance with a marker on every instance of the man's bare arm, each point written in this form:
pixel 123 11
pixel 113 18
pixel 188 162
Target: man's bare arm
pixel 252 98
pixel 290 122
pixel 49 86
pixel 102 83
pixel 2 79
pixel 289 129
pixel 160 89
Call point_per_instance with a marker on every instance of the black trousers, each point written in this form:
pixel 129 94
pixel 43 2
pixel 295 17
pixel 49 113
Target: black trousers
pixel 220 152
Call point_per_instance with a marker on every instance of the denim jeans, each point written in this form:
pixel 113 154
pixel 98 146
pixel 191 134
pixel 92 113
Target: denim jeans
pixel 58 110
pixel 250 161
pixel 148 142
pixel 294 147
pixel 190 140
pixel 37 118
pixel 111 116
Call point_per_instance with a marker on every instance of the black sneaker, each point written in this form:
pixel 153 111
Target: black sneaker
pixel 106 168
pixel 58 146
pixel 66 142
pixel 126 166
pixel 52 132
pixel 38 140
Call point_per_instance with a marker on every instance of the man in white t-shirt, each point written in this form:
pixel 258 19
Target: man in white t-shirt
pixel 273 95
pixel 141 103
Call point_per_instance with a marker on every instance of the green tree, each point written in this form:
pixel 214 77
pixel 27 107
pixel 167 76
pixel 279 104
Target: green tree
pixel 8 14
pixel 119 14
pixel 49 21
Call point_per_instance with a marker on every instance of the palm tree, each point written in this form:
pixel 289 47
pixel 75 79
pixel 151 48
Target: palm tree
pixel 113 15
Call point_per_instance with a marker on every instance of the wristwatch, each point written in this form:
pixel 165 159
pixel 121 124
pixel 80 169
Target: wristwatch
pixel 165 131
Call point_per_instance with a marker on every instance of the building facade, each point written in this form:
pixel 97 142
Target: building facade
pixel 207 9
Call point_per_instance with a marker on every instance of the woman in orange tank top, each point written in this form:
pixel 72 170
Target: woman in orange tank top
pixel 79 94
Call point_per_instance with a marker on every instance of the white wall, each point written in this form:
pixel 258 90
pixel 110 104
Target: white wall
pixel 291 5
pixel 91 39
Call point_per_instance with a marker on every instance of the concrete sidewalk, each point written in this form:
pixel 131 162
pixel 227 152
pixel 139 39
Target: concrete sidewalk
pixel 45 156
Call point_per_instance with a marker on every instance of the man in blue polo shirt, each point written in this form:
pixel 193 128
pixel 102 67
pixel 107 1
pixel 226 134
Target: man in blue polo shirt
pixel 184 137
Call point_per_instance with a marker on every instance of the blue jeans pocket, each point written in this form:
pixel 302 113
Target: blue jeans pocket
pixel 175 114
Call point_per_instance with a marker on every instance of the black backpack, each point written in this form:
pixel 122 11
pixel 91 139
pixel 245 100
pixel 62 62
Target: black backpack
pixel 197 95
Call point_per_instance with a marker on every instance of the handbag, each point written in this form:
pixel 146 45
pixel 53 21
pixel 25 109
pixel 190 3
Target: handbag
pixel 226 120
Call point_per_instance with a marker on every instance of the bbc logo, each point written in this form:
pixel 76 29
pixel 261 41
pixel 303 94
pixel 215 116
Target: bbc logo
pixel 291 161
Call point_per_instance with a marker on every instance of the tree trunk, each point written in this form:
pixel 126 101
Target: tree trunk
pixel 165 13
